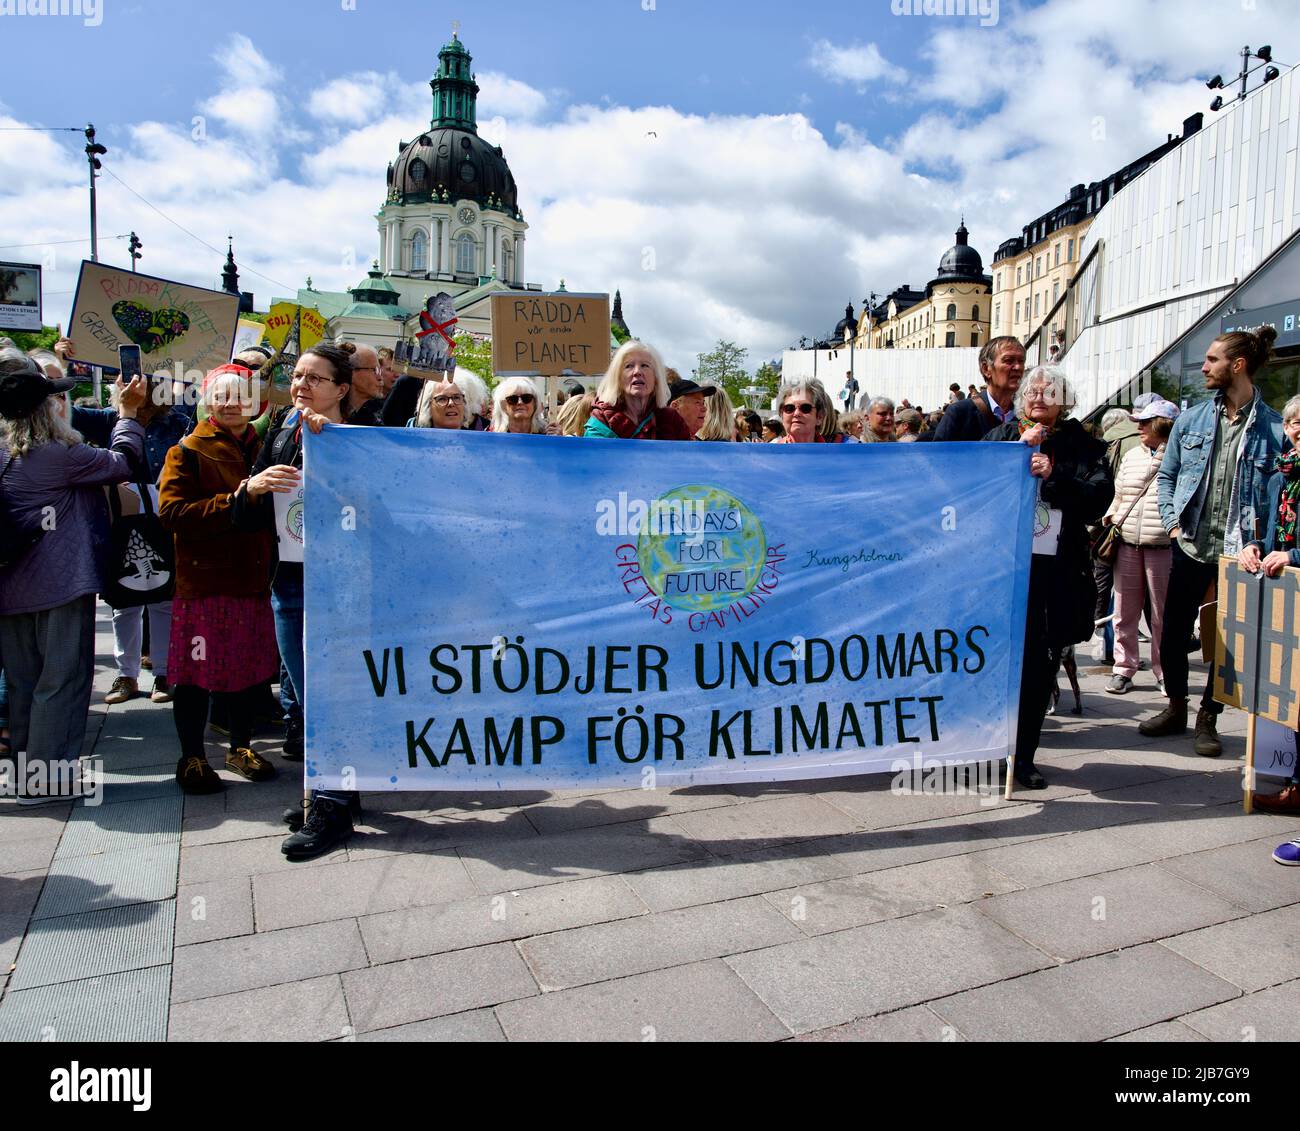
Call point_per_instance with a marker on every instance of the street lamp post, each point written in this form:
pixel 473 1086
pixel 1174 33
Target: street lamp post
pixel 93 152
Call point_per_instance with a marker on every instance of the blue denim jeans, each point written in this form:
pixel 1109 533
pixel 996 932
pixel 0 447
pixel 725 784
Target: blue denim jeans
pixel 286 604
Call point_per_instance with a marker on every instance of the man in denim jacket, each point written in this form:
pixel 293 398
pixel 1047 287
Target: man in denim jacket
pixel 1213 494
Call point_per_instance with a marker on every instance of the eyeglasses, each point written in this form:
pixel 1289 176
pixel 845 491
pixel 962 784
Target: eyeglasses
pixel 310 379
pixel 520 398
pixel 443 400
pixel 804 409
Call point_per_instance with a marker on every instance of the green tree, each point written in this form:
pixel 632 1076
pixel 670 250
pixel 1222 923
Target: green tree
pixel 724 366
pixel 33 339
pixel 768 378
pixel 476 356
pixel 620 335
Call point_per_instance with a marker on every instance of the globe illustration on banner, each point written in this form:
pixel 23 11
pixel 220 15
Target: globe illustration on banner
pixel 702 548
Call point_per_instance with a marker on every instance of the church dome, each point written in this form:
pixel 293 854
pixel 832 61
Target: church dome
pixel 960 262
pixel 456 161
pixel 450 161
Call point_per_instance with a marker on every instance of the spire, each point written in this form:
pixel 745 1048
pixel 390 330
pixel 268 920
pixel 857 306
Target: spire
pixel 616 317
pixel 962 233
pixel 230 273
pixel 455 92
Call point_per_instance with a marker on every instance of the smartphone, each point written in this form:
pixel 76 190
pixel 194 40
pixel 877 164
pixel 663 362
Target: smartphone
pixel 128 361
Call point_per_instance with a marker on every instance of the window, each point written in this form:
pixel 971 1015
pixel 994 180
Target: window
pixel 1038 266
pixel 997 315
pixel 1017 276
pixel 465 257
pixel 1058 254
pixel 975 312
pixel 1056 290
pixel 419 252
pixel 974 338
pixel 417 173
pixel 508 263
pixel 1017 312
pixel 1069 253
pixel 1035 306
pixel 997 281
pixel 952 311
pixel 951 339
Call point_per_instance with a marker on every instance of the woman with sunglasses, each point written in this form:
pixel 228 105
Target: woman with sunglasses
pixel 516 407
pixel 802 405
pixel 632 399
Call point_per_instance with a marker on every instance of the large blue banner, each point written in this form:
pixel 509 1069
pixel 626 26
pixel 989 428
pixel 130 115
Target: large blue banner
pixel 523 612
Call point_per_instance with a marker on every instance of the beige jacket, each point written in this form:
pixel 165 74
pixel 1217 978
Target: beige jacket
pixel 1137 470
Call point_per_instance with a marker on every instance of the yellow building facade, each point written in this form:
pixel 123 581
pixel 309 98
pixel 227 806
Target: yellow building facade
pixel 953 310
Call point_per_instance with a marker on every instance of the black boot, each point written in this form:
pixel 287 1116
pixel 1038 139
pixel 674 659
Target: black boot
pixel 295 815
pixel 328 824
pixel 293 739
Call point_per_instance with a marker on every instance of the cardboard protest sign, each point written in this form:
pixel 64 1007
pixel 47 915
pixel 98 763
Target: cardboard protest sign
pixel 173 323
pixel 280 320
pixel 20 296
pixel 724 629
pixel 247 333
pixel 1274 750
pixel 1257 643
pixel 288 522
pixel 547 335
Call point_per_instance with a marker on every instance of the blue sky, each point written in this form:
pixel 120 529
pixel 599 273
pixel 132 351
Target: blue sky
pixel 778 160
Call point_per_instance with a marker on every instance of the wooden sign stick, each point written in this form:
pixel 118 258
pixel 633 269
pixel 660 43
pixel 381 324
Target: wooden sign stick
pixel 1248 780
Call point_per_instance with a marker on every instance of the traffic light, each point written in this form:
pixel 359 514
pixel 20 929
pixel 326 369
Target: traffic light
pixel 93 148
pixel 135 246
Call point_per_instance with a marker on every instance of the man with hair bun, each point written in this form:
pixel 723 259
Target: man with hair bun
pixel 1212 488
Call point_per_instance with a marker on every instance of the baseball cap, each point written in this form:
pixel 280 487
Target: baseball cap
pixel 1157 408
pixel 24 388
pixel 685 387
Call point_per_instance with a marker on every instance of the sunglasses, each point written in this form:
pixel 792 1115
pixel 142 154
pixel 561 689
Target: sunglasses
pixel 804 409
pixel 520 398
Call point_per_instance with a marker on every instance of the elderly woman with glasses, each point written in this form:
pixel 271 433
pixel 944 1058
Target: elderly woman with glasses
pixel 632 399
pixel 442 404
pixel 1075 481
pixel 807 414
pixel 222 634
pixel 516 407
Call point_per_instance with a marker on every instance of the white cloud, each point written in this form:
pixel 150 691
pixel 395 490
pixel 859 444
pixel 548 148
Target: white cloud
pixel 508 98
pixel 860 63
pixel 247 102
pixel 350 100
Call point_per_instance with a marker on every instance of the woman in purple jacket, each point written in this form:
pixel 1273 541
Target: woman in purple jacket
pixel 51 486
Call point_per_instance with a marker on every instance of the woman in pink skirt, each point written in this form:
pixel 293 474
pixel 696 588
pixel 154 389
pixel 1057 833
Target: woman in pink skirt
pixel 222 636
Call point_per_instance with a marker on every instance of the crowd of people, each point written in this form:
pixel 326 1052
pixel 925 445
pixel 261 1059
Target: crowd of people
pixel 1164 492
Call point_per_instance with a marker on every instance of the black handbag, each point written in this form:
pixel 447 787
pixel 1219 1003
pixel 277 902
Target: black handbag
pixel 15 542
pixel 142 567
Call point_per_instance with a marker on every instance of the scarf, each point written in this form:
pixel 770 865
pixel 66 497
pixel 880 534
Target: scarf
pixel 1289 466
pixel 622 425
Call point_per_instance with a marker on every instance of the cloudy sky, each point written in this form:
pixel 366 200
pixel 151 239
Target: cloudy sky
pixel 739 168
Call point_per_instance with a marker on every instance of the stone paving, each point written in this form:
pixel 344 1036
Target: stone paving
pixel 1132 900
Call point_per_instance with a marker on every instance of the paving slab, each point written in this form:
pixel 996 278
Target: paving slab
pixel 355 888
pixel 473 1027
pixel 421 988
pixel 92 883
pixel 1243 873
pixel 130 1006
pixel 384 834
pixel 667 938
pixel 74 947
pixel 27 855
pixel 762 824
pixel 1088 1000
pixel 1267 1015
pixel 248 858
pixel 701 1002
pixel 834 905
pixel 1254 952
pixel 561 814
pixel 1053 859
pixel 820 982
pixel 94 830
pixel 311 1010
pixel 916 1023
pixel 395 935
pixel 214 909
pixel 511 865
pixel 251 962
pixel 1161 1033
pixel 1095 914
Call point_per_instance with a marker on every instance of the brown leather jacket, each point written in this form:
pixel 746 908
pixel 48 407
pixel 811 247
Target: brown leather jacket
pixel 195 502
